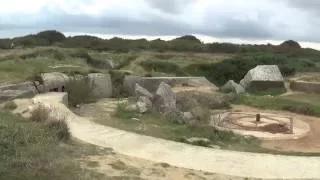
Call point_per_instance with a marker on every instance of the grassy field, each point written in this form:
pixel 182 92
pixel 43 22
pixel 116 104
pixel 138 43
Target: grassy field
pixel 31 150
pixel 307 104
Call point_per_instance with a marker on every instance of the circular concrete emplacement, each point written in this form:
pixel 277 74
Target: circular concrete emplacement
pixel 266 126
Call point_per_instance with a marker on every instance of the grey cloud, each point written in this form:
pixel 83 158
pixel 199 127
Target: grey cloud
pixel 169 6
pixel 307 5
pixel 217 23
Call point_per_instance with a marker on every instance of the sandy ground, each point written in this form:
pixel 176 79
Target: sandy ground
pixel 241 164
pixel 126 167
pixel 309 143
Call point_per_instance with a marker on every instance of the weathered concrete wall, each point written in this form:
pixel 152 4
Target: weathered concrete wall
pixel 101 85
pixel 265 86
pixel 11 91
pixel 303 86
pixel 152 83
pixel 54 81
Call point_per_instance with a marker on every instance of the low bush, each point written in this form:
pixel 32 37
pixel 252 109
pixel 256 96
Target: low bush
pixel 237 67
pixel 305 109
pixel 123 113
pixel 60 129
pixel 117 78
pixel 11 105
pixel 40 113
pixel 162 66
pixel 31 150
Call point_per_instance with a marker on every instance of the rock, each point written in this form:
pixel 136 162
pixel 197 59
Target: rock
pixel 101 85
pixel 140 91
pixel 200 113
pixel 199 141
pixel 132 107
pixel 135 119
pixel 129 84
pixel 186 100
pixel 187 116
pixel 231 86
pixel 263 78
pixel 175 116
pixel 215 146
pixel 12 91
pixel 144 104
pixel 165 98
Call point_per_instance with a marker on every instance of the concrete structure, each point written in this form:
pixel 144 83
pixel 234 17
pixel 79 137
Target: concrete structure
pixel 101 85
pixel 152 83
pixel 269 126
pixel 304 86
pixel 263 78
pixel 53 82
pixel 231 86
pixel 11 91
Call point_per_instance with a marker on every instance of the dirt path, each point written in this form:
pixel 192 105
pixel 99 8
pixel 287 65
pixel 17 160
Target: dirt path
pixel 241 164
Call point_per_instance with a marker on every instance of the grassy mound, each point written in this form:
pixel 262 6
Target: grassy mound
pixel 31 150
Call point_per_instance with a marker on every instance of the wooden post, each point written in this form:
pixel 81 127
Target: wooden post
pixel 258 118
pixel 291 125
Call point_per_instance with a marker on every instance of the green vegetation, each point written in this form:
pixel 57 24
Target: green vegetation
pixel 40 114
pixel 237 67
pixel 10 105
pixel 117 78
pixel 20 65
pixel 60 128
pixel 186 43
pixel 280 103
pixel 162 66
pixel 31 150
pixel 157 125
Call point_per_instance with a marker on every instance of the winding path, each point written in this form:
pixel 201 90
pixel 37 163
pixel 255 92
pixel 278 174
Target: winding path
pixel 233 163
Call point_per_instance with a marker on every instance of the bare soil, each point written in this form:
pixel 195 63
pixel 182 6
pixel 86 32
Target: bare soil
pixel 308 144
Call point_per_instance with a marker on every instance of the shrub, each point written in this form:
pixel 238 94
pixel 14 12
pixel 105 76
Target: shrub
pixel 40 113
pixel 162 66
pixel 236 68
pixel 60 129
pixel 98 63
pixel 117 78
pixel 79 91
pixel 51 36
pixel 11 105
pixel 59 55
pixel 123 113
pixel 300 109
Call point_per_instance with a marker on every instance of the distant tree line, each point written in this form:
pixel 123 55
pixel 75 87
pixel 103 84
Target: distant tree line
pixel 186 43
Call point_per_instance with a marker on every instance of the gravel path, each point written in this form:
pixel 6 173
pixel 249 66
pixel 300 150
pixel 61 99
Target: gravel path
pixel 233 163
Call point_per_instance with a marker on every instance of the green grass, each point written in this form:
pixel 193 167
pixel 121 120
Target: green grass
pixel 10 105
pixel 290 103
pixel 157 125
pixel 32 151
pixel 162 66
pixel 20 65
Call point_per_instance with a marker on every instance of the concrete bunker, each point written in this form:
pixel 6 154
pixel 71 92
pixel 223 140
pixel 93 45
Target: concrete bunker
pixel 53 82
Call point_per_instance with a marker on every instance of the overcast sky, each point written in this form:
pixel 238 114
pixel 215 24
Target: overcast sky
pixel 238 20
